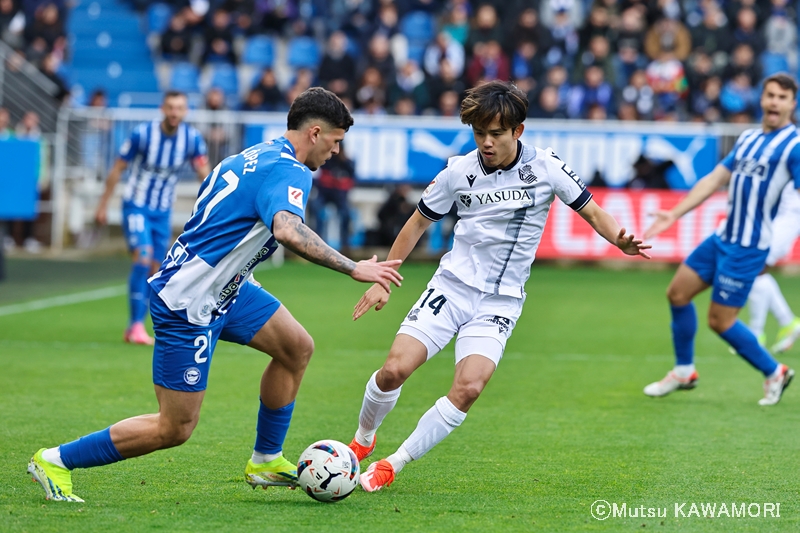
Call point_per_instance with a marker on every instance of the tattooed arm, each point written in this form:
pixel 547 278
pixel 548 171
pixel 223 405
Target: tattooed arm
pixel 290 231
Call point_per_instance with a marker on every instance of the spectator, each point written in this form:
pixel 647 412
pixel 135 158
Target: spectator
pixel 713 33
pixel 546 104
pixel 337 71
pixel 50 66
pixel 746 31
pixel 649 174
pixel 218 39
pixel 598 24
pixel 28 127
pixel 598 53
pixel 739 99
pixel 529 29
pixel 333 184
pixel 667 78
pixel 46 32
pixel 444 46
pixel 379 57
pixel 176 39
pixel 303 79
pixel 558 78
pixel 445 81
pixel 457 24
pixel 242 14
pixel 632 28
pixel 668 36
pixel 627 61
pixel 392 216
pixel 276 15
pixel 485 28
pixel 488 63
pixel 639 95
pixel 409 83
pixel 5 125
pixel 449 104
pixel 700 68
pixel 371 91
pixel 594 90
pixel 272 99
pixel 566 42
pixel 216 134
pixel 743 60
pixel 705 104
pixel 573 10
pixel 405 107
pixel 781 33
pixel 12 23
pixel 254 101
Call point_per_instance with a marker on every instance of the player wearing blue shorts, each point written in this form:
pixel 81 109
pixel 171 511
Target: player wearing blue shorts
pixel 153 155
pixel 756 172
pixel 203 292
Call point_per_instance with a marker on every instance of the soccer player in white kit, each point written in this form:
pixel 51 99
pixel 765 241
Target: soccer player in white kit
pixel 503 191
pixel 766 296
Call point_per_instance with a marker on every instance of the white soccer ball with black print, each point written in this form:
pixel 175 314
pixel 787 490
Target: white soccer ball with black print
pixel 328 471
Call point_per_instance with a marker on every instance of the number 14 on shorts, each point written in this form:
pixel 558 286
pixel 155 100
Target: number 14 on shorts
pixel 435 303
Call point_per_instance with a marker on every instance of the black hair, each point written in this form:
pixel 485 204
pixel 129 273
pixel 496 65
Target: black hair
pixel 317 103
pixel 484 102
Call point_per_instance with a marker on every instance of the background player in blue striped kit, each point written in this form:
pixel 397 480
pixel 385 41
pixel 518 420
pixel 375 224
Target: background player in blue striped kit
pixel 153 155
pixel 203 292
pixel 756 172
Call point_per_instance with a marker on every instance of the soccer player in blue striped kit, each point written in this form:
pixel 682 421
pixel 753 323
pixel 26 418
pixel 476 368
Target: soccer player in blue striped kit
pixel 204 292
pixel 153 155
pixel 756 172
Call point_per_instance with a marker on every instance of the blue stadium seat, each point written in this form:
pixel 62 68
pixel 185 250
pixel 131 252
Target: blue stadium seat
pixel 259 51
pixel 158 17
pixel 185 77
pixel 87 53
pixel 118 25
pixel 303 53
pixel 114 81
pixel 772 63
pixel 418 26
pixel 224 76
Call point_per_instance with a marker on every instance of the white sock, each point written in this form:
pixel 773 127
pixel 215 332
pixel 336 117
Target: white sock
pixel 259 458
pixel 53 455
pixel 776 373
pixel 759 300
pixel 399 459
pixel 778 305
pixel 376 405
pixel 683 371
pixel 433 427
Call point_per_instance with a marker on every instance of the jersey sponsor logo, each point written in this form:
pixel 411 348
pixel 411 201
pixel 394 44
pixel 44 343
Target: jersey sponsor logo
pixel 471 179
pixel 527 175
pixel 503 324
pixel 466 199
pixel 428 189
pixel 412 316
pixel 296 197
pixel 495 197
pixel 192 376
pixel 751 167
pixel 232 288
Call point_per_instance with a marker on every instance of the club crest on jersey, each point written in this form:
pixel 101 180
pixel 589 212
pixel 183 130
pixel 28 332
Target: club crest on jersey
pixel 466 199
pixel 429 188
pixel 296 197
pixel 471 179
pixel 527 175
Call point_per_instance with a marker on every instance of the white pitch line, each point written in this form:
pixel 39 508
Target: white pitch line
pixel 67 299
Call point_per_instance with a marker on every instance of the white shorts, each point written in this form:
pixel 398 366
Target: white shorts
pixel 448 306
pixel 785 230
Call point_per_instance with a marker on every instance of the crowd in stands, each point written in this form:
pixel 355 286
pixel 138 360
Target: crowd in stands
pixel 588 59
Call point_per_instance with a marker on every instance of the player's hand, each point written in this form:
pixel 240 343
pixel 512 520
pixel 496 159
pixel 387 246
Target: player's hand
pixel 101 215
pixel 663 221
pixel 376 296
pixel 631 245
pixel 383 273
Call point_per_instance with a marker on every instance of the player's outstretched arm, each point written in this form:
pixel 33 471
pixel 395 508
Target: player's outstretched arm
pixel 608 228
pixel 704 188
pixel 290 231
pixel 101 214
pixel 376 296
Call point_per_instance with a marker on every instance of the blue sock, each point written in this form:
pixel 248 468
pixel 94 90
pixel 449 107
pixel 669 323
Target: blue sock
pixel 273 424
pixel 684 328
pixel 95 449
pixel 138 291
pixel 746 344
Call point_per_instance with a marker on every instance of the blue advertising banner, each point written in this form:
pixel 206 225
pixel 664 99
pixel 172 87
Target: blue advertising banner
pixel 392 149
pixel 18 181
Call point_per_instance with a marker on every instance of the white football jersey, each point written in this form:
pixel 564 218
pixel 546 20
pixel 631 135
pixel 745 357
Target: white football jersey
pixel 502 212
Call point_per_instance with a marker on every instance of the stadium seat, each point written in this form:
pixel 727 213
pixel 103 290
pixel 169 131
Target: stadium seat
pixel 87 53
pixel 114 80
pixel 303 53
pixel 418 26
pixel 158 17
pixel 259 51
pixel 224 77
pixel 185 77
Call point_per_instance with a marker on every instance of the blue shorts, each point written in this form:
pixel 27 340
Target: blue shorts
pixel 182 354
pixel 143 227
pixel 729 268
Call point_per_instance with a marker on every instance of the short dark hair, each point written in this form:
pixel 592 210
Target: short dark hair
pixel 320 104
pixel 785 81
pixel 484 102
pixel 173 94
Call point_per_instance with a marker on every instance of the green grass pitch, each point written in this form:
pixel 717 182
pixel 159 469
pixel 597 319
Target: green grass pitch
pixel 562 423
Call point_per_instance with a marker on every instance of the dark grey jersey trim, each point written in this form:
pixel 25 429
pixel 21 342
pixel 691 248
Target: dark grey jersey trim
pixel 512 232
pixel 582 200
pixel 426 211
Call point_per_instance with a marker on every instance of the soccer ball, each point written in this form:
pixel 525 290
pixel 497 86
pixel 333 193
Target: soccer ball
pixel 328 471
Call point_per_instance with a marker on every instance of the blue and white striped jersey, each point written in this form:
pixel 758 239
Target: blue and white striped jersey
pixel 761 165
pixel 230 230
pixel 154 160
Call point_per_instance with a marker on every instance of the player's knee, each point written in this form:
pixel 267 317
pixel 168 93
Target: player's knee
pixel 176 434
pixel 143 255
pixel 391 376
pixel 677 296
pixel 468 391
pixel 720 323
pixel 301 351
